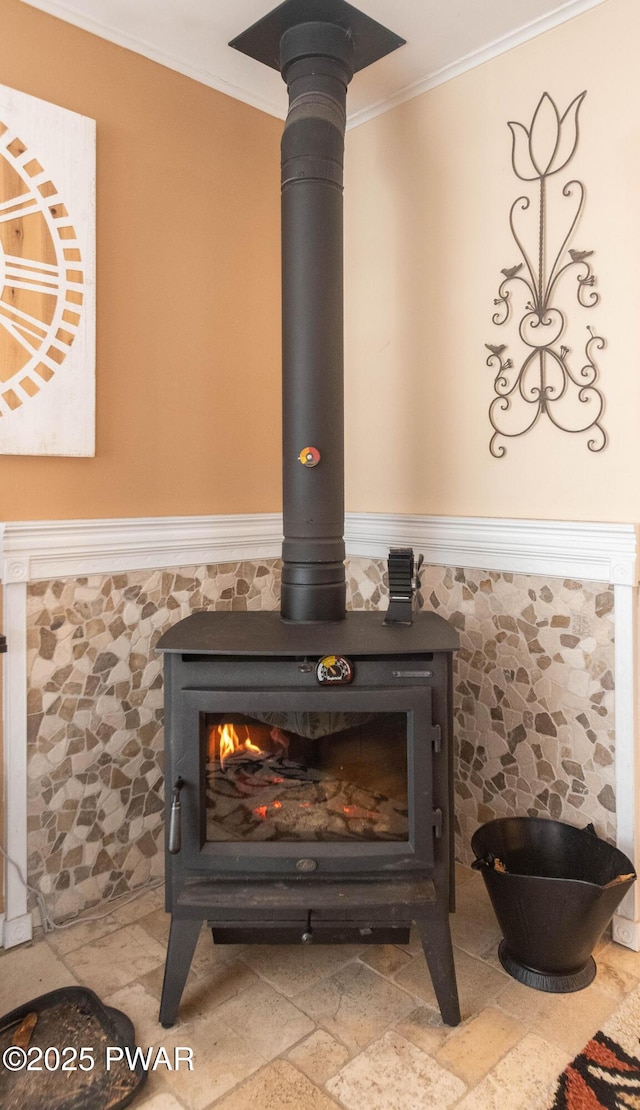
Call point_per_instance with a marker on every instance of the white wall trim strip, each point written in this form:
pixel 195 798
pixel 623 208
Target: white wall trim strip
pixel 626 923
pixel 594 552
pixel 36 550
pixel 591 552
pixel 17 923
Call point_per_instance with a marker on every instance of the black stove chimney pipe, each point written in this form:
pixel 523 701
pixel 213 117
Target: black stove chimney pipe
pixel 317 45
pixel 316 61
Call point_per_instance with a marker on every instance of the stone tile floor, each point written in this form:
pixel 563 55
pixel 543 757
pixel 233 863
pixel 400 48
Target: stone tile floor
pixel 292 1028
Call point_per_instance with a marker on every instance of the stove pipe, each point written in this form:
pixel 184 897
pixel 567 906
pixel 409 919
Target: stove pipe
pixel 317 45
pixel 316 61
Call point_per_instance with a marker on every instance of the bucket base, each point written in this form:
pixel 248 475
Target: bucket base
pixel 547 981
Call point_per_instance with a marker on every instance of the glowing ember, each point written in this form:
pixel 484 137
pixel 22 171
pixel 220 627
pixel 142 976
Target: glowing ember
pixel 231 741
pixel 357 811
pixel 261 811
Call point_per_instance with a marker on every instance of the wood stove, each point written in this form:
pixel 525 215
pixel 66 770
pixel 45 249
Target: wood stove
pixel 308 752
pixel 313 767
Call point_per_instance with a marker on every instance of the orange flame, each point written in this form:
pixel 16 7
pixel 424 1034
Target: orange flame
pixel 231 742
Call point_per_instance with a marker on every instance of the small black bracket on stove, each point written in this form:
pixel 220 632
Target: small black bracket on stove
pixel 404 583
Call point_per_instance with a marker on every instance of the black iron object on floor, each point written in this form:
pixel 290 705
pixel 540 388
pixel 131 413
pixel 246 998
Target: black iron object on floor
pixel 554 892
pixel 327 816
pixel 63 1061
pixel 309 753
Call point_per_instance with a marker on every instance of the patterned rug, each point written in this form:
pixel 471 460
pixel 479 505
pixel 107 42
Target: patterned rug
pixel 606 1074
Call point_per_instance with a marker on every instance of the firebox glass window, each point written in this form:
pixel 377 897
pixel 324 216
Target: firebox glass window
pixel 306 776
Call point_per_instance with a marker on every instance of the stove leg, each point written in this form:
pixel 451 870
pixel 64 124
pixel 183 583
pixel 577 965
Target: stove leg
pixel 435 935
pixel 183 938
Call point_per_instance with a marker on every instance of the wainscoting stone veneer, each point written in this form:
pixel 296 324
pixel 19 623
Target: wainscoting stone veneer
pixel 533 694
pixel 533 706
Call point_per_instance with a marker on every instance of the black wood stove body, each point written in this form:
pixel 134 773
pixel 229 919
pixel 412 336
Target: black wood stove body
pixel 313 768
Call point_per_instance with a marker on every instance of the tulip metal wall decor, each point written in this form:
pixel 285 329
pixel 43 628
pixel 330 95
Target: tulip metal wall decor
pixel 543 383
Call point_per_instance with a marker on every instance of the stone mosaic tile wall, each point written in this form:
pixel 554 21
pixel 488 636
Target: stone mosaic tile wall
pixel 533 694
pixel 95 737
pixel 533 707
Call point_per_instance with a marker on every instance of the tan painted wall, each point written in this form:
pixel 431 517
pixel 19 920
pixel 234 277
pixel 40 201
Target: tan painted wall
pixel 428 190
pixel 188 286
pixel 188 326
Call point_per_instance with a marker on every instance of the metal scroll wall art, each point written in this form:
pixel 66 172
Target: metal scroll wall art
pixel 543 381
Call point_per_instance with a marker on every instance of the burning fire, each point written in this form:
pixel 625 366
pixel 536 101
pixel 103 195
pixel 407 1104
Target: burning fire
pixel 229 740
pixel 232 739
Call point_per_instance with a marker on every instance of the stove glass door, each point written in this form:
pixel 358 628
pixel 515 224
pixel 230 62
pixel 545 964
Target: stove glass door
pixel 279 779
pixel 306 776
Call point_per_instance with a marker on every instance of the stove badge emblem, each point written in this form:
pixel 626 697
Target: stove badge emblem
pixel 334 670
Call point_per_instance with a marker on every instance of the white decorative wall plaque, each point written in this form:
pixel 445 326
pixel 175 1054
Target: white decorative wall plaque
pixel 47 278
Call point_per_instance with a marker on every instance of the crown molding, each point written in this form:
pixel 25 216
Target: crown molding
pixel 139 45
pixel 561 14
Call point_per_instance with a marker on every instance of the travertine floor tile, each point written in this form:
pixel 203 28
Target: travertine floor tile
pixel 221 1060
pixel 156 924
pixel 478 983
pixel 28 972
pixel 385 958
pixel 618 968
pixel 424 1028
pixel 162 1101
pixel 521 1080
pixel 392 1074
pixel 472 1049
pixel 355 1005
pixel 142 1008
pixel 231 1044
pixel 319 1056
pixel 203 996
pixel 293 968
pixel 624 1025
pixel 464 874
pixel 279 1087
pixel 81 933
pixel 143 904
pixel 260 1016
pixel 114 960
pixel 473 926
pixel 568 1020
pixel 155 1095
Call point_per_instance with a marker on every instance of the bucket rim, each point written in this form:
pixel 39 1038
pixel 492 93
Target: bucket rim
pixel 574 829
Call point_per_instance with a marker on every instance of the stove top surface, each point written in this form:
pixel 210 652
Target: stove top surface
pixel 266 633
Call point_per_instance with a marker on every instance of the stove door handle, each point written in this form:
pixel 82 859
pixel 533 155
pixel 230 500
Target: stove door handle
pixel 175 820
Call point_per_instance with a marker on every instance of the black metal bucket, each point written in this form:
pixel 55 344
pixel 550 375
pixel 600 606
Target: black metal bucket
pixel 556 897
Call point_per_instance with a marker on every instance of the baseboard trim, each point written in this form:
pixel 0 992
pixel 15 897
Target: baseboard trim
pixel 18 930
